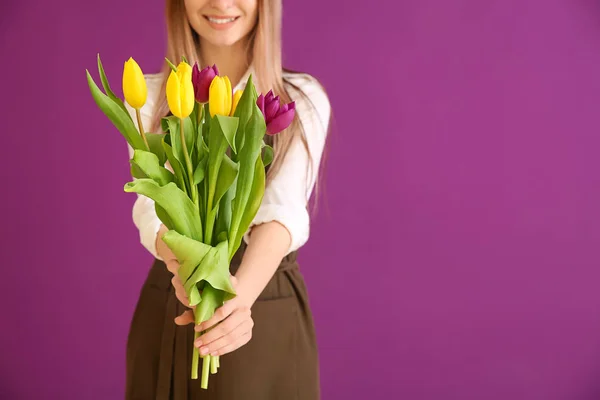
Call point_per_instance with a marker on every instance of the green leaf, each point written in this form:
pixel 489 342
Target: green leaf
pixel 244 111
pixel 107 89
pixel 155 143
pixel 213 268
pixel 207 121
pixel 200 170
pixel 184 59
pixel 216 150
pixel 200 262
pixel 149 165
pixel 177 167
pixel 224 216
pixel 163 216
pixel 267 155
pixel 121 119
pixel 229 127
pixel 171 124
pixel 221 134
pixel 201 147
pixel 194 119
pixel 254 201
pixel 254 133
pixel 226 177
pixel 221 237
pixel 136 171
pixel 173 67
pixel 182 213
pixel 189 253
pixel 211 300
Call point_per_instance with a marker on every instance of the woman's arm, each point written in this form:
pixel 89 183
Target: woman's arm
pixel 270 243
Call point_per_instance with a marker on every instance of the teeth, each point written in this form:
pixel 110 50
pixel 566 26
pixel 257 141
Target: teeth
pixel 221 21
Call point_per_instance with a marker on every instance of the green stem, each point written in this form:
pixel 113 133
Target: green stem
pixel 212 183
pixel 213 365
pixel 205 371
pixel 141 127
pixel 210 223
pixel 199 114
pixel 188 162
pixel 196 353
pixel 195 357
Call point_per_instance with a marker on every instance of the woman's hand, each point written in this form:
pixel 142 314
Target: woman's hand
pixel 231 327
pixel 234 320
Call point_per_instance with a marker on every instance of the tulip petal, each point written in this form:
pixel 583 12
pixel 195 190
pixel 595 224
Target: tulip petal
pixel 271 109
pixel 186 89
pixel 282 109
pixel 280 122
pixel 202 84
pixel 187 98
pixel 195 72
pixel 213 95
pixel 260 102
pixel 173 94
pixel 269 97
pixel 236 99
pixel 228 96
pixel 135 90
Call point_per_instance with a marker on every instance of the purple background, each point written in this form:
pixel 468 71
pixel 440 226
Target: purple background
pixel 457 256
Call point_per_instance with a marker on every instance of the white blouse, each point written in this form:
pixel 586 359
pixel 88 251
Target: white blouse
pixel 286 196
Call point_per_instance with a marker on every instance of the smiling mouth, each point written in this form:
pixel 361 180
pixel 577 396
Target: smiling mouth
pixel 220 20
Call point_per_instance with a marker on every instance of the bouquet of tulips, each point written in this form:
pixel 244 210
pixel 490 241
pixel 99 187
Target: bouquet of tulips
pixel 214 145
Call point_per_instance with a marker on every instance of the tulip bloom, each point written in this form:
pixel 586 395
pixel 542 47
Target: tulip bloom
pixel 277 116
pixel 236 99
pixel 180 91
pixel 219 98
pixel 135 90
pixel 202 80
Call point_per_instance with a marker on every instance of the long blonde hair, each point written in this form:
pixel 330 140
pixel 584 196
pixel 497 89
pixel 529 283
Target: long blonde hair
pixel 264 51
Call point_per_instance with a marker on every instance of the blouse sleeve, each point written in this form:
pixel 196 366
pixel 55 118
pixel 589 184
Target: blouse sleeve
pixel 143 212
pixel 287 195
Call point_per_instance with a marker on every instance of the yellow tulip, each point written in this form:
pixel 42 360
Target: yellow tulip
pixel 236 99
pixel 219 96
pixel 135 90
pixel 180 91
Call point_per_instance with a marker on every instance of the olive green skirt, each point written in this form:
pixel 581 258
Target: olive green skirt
pixel 279 363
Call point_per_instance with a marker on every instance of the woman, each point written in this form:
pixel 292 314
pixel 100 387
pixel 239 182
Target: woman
pixel 265 335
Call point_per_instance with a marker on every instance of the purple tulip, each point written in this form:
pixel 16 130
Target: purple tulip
pixel 202 80
pixel 277 116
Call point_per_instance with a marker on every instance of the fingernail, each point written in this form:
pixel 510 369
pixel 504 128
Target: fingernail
pixel 203 350
pixel 198 328
pixel 198 343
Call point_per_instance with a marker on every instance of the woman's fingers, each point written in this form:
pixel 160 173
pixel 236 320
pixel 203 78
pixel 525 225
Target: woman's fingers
pixel 224 311
pixel 180 291
pixel 186 318
pixel 172 265
pixel 220 314
pixel 228 340
pixel 224 328
pixel 242 340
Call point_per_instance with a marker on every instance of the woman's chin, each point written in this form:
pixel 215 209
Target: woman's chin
pixel 222 40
